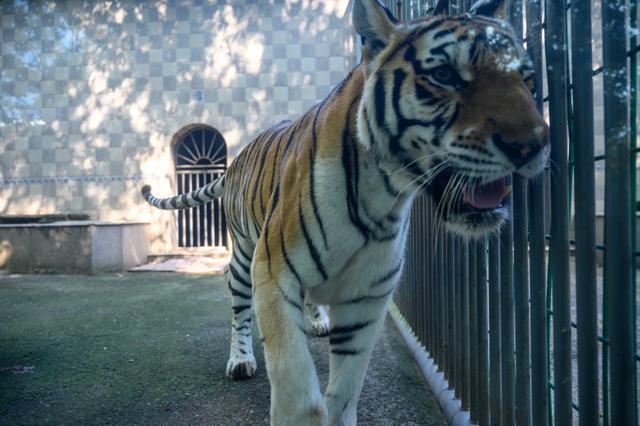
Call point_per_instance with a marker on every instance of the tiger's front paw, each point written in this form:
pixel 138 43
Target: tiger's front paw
pixel 320 328
pixel 241 368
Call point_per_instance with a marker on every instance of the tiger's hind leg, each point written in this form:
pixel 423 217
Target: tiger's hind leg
pixel 242 363
pixel 318 318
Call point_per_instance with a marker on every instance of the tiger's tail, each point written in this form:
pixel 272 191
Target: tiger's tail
pixel 198 197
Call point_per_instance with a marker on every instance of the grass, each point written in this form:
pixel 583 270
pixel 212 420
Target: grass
pixel 152 348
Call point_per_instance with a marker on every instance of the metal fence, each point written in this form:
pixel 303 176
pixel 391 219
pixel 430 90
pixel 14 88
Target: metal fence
pixel 526 326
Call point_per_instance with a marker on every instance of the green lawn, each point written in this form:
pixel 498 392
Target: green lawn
pixel 152 348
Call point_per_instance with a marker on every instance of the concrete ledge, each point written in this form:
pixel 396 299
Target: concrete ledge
pixel 450 405
pixel 73 246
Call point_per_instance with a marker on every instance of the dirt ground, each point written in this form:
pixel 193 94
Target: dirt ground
pixel 151 348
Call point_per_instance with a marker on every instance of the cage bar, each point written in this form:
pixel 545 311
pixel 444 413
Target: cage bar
pixel 495 372
pixel 585 228
pixel 559 245
pixel 617 209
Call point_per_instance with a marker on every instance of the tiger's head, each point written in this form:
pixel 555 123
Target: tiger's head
pixel 448 107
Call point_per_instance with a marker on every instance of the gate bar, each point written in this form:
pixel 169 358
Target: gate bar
pixel 617 212
pixel 495 376
pixel 585 212
pixel 559 245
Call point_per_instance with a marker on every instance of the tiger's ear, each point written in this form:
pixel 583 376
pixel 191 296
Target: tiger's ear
pixel 374 23
pixel 491 8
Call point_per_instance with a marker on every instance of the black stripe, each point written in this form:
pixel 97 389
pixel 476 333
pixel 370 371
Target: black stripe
pixel 312 192
pixel 235 292
pixel 387 276
pixel 341 329
pixel 366 298
pixel 276 163
pixel 369 129
pixel 240 308
pixel 346 351
pixel 340 339
pixel 237 276
pixel 258 182
pixel 464 157
pixel 414 35
pixel 274 202
pixel 312 248
pixel 350 167
pixel 394 144
pixel 442 33
pixel 286 257
pixel 239 248
pixel 380 102
pixel 290 300
pixel 246 268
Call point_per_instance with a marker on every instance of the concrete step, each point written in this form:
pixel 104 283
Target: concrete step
pixel 186 252
pixel 187 265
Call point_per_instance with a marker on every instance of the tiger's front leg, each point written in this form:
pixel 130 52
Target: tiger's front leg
pixel 295 392
pixel 354 329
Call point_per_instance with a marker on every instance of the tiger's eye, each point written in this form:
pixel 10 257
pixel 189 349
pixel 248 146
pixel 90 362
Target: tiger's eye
pixel 444 74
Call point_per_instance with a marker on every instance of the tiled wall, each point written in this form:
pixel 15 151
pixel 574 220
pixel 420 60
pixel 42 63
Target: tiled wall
pixel 93 92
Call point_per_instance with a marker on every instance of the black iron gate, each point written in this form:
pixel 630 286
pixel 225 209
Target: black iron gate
pixel 200 157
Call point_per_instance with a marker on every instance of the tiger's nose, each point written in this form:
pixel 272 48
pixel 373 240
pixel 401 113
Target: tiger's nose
pixel 519 152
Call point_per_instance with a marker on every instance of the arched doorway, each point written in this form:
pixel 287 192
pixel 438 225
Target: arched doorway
pixel 200 154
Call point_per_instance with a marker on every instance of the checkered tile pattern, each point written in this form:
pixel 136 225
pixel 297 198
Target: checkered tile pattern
pixel 92 93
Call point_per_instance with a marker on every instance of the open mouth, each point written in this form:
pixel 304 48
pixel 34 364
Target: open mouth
pixel 488 195
pixel 473 208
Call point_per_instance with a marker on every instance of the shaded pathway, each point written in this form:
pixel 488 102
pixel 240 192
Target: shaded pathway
pixel 152 348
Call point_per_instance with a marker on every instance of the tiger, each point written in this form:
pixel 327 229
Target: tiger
pixel 318 208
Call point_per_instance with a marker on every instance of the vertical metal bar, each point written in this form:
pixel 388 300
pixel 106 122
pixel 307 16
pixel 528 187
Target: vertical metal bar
pixel 473 332
pixel 633 123
pixel 180 212
pixel 432 276
pixel 537 243
pixel 442 317
pixel 617 212
pixel 201 219
pixel 428 259
pixel 437 280
pixel 444 296
pixel 419 265
pixel 585 212
pixel 507 322
pixel 483 336
pixel 187 213
pixel 442 308
pixel 211 225
pixel 495 376
pixel 458 348
pixel 194 212
pixel 217 219
pixel 521 275
pixel 521 298
pixel 464 312
pixel 557 82
pixel 450 311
